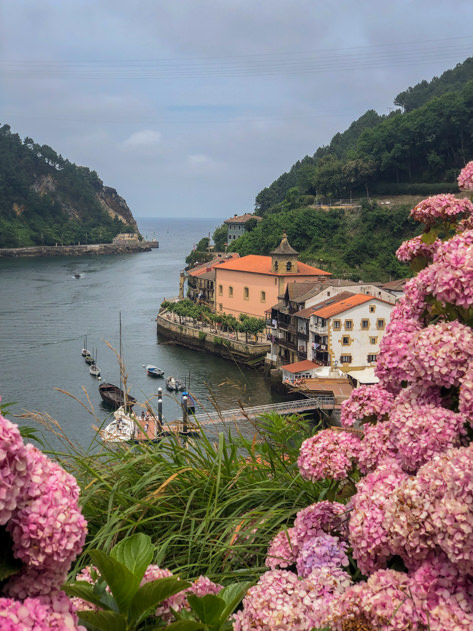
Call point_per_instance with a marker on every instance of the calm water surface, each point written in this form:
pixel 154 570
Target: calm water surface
pixel 45 313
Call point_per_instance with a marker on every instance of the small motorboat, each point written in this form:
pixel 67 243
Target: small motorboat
pixel 154 371
pixel 115 397
pixel 89 359
pixel 190 401
pixel 94 370
pixel 174 384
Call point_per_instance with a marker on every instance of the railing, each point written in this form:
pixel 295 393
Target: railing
pixel 289 407
pixel 318 328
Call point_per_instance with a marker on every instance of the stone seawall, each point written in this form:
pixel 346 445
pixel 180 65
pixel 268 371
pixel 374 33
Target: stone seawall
pixel 201 338
pixel 79 250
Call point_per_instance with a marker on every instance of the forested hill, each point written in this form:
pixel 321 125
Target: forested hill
pixel 45 199
pixel 418 149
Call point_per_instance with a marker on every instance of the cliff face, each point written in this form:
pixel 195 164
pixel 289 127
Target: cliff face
pixel 116 206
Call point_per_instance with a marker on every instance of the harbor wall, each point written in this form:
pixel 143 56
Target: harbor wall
pixel 79 250
pixel 203 339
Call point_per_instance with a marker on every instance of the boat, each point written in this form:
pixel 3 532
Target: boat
pixel 126 427
pixel 174 384
pixel 154 371
pixel 93 368
pixel 85 352
pixel 114 396
pixel 89 359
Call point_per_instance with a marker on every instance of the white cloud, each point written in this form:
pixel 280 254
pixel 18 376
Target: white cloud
pixel 143 140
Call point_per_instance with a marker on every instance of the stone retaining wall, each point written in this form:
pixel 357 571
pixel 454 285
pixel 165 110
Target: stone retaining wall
pixel 202 339
pixel 79 250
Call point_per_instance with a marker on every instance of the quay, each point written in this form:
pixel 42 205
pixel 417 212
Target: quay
pixel 80 250
pixel 200 336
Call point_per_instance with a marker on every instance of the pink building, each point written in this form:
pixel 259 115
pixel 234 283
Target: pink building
pixel 252 284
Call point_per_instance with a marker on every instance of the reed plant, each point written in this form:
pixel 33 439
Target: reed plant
pixel 210 506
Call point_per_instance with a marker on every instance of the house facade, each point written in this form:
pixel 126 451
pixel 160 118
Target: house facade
pixel 343 330
pixel 236 225
pixel 251 284
pixel 201 280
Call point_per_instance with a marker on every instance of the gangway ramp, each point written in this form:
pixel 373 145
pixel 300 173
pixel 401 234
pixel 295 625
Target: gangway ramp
pixel 244 413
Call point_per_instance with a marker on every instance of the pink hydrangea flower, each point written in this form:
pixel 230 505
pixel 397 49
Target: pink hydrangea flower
pixel 32 582
pixel 323 551
pixel 279 601
pixel 48 529
pixel 177 601
pixel 321 518
pixel 368 535
pixel 465 396
pixel 55 613
pixel 203 586
pixel 440 354
pixel 381 603
pixel 465 179
pixel 415 247
pixel 13 468
pixel 377 445
pixel 450 277
pixel 422 431
pixel 441 207
pixel 366 404
pixel 323 585
pixel 413 305
pixel 395 355
pixel 328 454
pixel 283 550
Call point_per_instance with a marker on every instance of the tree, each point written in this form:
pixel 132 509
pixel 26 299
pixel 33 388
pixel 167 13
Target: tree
pixel 220 238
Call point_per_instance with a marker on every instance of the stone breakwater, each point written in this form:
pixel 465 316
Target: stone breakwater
pixel 79 250
pixel 202 338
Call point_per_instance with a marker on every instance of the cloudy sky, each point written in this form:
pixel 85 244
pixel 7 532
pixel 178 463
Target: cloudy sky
pixel 191 107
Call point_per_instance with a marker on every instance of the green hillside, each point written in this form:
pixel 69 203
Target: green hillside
pixel 45 199
pixel 416 150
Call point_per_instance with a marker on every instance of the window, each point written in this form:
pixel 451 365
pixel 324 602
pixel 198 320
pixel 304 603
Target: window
pixel 230 292
pixel 220 306
pixel 246 293
pixel 263 296
pixel 380 323
pixel 348 325
pixel 220 290
pixel 373 340
pixel 337 324
pixel 372 358
pixel 345 359
pixel 365 324
pixel 346 340
pixel 288 266
pixel 276 266
pixel 372 308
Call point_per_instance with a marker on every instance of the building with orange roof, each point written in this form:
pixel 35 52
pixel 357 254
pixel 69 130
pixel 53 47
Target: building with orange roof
pixel 201 280
pixel 343 330
pixel 251 284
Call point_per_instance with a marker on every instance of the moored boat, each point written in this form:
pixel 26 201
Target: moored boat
pixel 154 371
pixel 114 396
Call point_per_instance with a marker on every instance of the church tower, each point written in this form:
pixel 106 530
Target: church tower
pixel 284 258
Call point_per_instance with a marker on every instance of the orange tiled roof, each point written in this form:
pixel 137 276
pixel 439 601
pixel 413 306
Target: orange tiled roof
pixel 305 364
pixel 309 311
pixel 256 264
pixel 207 267
pixel 342 305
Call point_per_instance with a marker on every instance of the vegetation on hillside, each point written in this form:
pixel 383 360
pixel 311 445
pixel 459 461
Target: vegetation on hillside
pixel 47 200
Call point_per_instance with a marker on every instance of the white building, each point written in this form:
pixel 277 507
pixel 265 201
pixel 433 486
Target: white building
pixel 344 330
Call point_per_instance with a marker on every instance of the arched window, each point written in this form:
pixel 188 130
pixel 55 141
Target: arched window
pixel 276 266
pixel 288 266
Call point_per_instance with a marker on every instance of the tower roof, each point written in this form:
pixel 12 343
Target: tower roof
pixel 284 247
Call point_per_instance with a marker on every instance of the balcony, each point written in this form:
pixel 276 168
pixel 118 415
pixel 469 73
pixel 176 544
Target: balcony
pixel 288 345
pixel 285 326
pixel 319 329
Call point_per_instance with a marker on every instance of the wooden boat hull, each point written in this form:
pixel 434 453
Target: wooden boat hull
pixel 114 397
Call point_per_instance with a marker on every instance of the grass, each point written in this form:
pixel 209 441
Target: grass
pixel 210 506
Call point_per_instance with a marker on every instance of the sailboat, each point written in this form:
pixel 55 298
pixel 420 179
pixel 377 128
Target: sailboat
pixel 85 352
pixel 113 395
pixel 93 368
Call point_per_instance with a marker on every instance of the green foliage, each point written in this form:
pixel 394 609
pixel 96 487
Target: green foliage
pixel 32 216
pixel 220 238
pixel 124 605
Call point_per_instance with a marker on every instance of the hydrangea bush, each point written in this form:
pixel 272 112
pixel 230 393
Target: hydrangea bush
pixel 399 554
pixel 42 532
